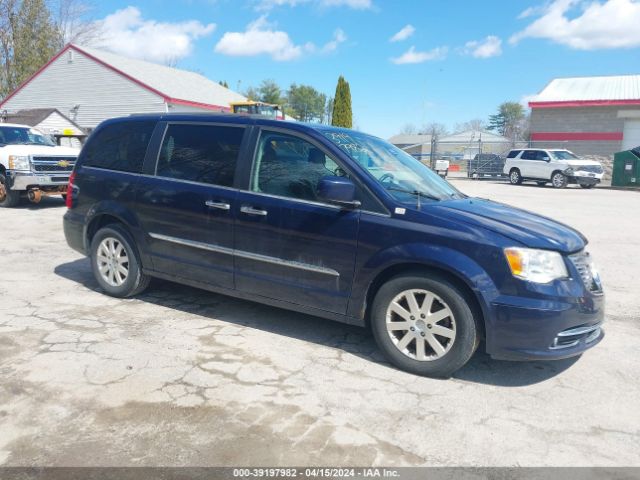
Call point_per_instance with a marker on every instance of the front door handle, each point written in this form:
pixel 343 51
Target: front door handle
pixel 253 211
pixel 218 205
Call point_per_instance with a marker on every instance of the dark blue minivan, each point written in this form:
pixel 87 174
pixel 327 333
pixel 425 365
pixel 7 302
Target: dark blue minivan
pixel 334 223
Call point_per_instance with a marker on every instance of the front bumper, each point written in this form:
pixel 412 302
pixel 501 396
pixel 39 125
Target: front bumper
pixel 26 180
pixel 540 329
pixel 587 178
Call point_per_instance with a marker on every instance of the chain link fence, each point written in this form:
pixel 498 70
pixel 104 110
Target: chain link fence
pixel 478 159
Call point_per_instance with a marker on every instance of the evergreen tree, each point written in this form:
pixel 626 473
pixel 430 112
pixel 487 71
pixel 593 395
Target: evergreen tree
pixel 342 114
pixel 508 119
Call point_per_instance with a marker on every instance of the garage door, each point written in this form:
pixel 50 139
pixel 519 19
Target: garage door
pixel 631 134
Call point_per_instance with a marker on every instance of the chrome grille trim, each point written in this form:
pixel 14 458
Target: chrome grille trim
pixel 583 264
pixel 572 336
pixel 589 168
pixel 579 330
pixel 50 164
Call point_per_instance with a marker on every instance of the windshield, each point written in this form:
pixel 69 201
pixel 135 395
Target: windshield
pixel 563 155
pixel 402 175
pixel 24 136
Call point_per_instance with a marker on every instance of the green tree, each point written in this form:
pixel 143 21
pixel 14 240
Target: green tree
pixel 224 83
pixel 28 39
pixel 342 113
pixel 508 120
pixel 270 92
pixel 252 94
pixel 305 103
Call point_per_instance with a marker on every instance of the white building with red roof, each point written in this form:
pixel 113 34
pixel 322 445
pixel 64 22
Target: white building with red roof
pixel 89 86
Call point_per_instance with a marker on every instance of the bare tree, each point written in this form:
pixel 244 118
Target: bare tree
pixel 476 124
pixel 74 22
pixel 434 129
pixel 409 129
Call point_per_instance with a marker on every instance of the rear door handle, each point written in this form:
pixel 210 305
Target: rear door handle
pixel 253 211
pixel 218 205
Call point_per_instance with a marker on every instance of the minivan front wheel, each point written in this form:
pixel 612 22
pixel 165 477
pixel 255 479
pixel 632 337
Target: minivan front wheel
pixel 424 325
pixel 514 176
pixel 115 262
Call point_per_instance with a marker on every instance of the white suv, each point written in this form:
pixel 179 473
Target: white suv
pixel 560 167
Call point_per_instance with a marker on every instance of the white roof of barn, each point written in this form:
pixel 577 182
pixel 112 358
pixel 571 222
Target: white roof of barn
pixel 473 136
pixel 585 89
pixel 410 139
pixel 171 83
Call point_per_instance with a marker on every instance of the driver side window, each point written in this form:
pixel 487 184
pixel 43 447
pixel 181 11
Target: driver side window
pixel 289 166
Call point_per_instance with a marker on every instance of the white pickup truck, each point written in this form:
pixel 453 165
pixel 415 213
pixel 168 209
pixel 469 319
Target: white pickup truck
pixel 32 164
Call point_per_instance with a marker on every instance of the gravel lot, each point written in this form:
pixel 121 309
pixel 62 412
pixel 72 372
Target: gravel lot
pixel 179 376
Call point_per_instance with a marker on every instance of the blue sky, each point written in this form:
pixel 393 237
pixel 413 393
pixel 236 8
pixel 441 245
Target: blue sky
pixel 454 60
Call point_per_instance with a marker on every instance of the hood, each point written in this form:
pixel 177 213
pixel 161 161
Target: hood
pixel 573 163
pixel 40 150
pixel 526 228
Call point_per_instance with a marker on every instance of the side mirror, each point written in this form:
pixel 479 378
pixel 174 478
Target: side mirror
pixel 339 190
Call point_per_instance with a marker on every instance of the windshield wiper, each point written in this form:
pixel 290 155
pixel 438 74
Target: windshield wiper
pixel 416 193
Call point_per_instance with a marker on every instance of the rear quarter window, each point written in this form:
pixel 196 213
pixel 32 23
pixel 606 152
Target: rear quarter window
pixel 119 146
pixel 513 153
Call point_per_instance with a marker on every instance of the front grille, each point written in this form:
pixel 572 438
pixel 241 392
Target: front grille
pixel 572 336
pixel 589 168
pixel 584 265
pixel 53 164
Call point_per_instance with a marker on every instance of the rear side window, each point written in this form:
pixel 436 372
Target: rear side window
pixel 513 153
pixel 529 155
pixel 200 153
pixel 119 146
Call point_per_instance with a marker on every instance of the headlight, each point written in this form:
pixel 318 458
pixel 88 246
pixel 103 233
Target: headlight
pixel 537 266
pixel 17 162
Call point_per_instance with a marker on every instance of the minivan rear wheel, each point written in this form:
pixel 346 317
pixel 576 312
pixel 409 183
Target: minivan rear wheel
pixel 514 176
pixel 424 325
pixel 115 262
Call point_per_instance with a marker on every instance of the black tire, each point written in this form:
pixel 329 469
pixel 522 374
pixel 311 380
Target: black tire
pixel 514 176
pixel 466 337
pixel 559 180
pixel 541 184
pixel 136 281
pixel 587 185
pixel 8 198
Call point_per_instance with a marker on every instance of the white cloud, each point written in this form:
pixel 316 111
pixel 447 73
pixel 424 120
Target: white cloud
pixel 338 37
pixel 403 34
pixel 595 24
pixel 487 48
pixel 355 4
pixel 261 38
pixel 125 32
pixel 414 56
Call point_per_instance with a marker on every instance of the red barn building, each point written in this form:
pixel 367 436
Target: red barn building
pixel 588 115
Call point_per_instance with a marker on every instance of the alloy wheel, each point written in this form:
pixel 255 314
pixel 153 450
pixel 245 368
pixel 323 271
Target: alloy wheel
pixel 421 325
pixel 558 180
pixel 113 261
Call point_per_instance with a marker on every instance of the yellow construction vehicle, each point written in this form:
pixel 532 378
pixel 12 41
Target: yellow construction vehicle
pixel 257 108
